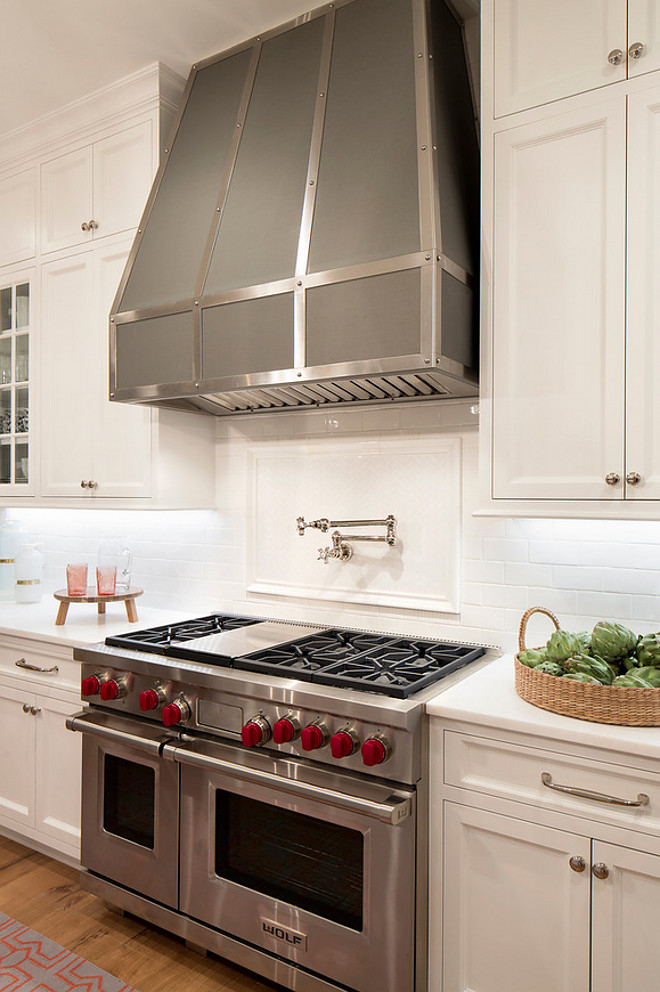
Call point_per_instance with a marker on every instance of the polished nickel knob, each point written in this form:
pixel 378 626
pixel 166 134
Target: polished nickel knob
pixel 577 863
pixel 601 870
pixel 612 479
pixel 84 226
pixel 636 50
pixel 26 707
pixel 35 710
pixel 93 225
pixel 633 478
pixel 616 57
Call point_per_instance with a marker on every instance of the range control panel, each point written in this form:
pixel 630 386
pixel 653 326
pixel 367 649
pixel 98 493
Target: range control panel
pixel 327 737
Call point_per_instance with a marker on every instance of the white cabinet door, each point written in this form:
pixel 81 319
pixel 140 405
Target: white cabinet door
pixel 643 365
pixel 643 29
pixel 124 167
pixel 122 449
pixel 547 50
pixel 98 190
pixel 558 334
pixel 68 327
pixel 515 915
pixel 626 950
pixel 18 217
pixel 58 766
pixel 84 437
pixel 17 756
pixel 66 200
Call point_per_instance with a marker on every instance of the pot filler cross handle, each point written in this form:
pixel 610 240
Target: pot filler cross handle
pixel 340 549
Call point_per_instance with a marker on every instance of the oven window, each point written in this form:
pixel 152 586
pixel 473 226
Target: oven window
pixel 313 864
pixel 129 791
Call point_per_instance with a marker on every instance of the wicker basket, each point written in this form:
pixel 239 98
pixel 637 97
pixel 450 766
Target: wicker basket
pixel 628 706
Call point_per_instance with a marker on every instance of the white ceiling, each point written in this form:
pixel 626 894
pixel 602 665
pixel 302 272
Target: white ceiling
pixel 55 51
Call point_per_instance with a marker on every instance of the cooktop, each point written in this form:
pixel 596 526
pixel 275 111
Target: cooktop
pixel 371 662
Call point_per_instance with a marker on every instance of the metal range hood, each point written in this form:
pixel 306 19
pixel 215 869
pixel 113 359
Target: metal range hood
pixel 311 236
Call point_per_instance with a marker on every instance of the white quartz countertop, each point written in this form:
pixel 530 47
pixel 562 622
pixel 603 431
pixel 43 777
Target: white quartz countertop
pixel 488 699
pixel 84 625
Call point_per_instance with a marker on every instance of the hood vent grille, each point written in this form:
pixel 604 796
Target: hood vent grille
pixel 311 237
pixel 421 385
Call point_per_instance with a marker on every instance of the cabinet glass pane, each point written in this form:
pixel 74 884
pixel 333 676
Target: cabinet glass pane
pixel 5 461
pixel 372 318
pixel 258 237
pixel 22 373
pixel 367 203
pixel 22 413
pixel 5 360
pixel 5 411
pixel 22 463
pixel 166 266
pixel 5 309
pixel 23 305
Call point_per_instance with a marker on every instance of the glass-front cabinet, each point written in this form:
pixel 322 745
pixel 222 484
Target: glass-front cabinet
pixel 15 367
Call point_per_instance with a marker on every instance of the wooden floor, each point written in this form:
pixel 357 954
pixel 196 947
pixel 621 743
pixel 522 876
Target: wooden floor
pixel 45 895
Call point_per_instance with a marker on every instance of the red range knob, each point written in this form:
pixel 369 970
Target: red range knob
pixel 251 734
pixel 343 744
pixel 285 730
pixel 312 737
pixel 375 751
pixel 109 690
pixel 149 700
pixel 174 713
pixel 90 686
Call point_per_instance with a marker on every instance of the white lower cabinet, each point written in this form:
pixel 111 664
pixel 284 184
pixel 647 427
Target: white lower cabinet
pixel 541 895
pixel 516 917
pixel 40 759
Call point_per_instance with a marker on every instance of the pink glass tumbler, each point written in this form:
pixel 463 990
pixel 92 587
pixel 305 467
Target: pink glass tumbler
pixel 76 579
pixel 106 577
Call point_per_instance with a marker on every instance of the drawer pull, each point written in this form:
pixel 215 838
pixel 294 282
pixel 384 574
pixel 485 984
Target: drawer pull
pixel 22 663
pixel 599 797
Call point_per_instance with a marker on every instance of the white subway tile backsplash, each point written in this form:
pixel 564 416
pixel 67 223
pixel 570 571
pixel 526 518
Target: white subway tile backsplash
pixel 584 570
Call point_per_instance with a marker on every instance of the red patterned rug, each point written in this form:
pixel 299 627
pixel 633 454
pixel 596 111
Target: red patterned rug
pixel 32 963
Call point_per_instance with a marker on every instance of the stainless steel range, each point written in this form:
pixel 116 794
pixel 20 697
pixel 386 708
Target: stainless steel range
pixel 260 789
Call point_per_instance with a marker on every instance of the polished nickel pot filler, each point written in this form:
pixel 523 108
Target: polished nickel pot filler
pixel 260 788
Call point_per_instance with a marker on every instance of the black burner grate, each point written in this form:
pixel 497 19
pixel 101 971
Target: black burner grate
pixel 368 662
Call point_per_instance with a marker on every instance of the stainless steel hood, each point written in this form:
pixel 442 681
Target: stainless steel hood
pixel 311 236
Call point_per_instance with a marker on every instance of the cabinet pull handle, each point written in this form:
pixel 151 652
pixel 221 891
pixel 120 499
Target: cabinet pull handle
pixel 26 707
pixel 84 226
pixel 93 225
pixel 616 57
pixel 577 863
pixel 35 710
pixel 599 797
pixel 636 50
pixel 633 478
pixel 22 663
pixel 601 870
pixel 612 479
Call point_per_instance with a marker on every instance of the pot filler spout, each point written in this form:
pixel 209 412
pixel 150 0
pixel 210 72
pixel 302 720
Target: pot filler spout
pixel 311 235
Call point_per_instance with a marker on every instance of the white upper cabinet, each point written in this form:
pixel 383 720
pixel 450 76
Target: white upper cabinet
pixel 559 305
pixel 85 193
pixel 18 217
pixel 544 51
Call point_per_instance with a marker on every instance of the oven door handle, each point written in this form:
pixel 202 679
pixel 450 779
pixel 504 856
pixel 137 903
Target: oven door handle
pixel 395 810
pixel 93 723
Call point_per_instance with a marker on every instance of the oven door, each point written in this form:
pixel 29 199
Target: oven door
pixel 130 803
pixel 312 865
